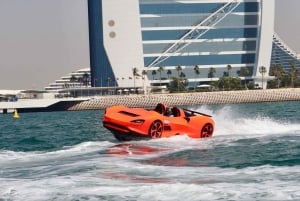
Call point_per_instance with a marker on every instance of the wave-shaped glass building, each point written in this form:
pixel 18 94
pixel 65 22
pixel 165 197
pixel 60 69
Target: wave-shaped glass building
pixel 283 55
pixel 148 34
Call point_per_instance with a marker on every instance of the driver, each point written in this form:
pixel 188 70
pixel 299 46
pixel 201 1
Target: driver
pixel 169 112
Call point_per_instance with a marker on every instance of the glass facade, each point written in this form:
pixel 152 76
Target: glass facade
pixel 283 55
pixel 207 34
pixel 172 33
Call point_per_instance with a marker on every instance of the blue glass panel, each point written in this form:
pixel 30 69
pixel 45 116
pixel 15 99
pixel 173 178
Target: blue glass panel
pixel 248 7
pixel 238 20
pixel 211 34
pixel 204 60
pixel 173 21
pixel 179 8
pixel 204 47
pixel 191 20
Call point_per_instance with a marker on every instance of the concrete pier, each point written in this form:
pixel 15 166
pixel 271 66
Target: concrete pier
pixel 201 98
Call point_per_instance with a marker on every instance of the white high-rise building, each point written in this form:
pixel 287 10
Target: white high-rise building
pixel 148 34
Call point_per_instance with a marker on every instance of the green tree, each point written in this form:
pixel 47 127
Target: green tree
pixel 278 72
pixel 85 78
pixel 144 74
pixel 243 72
pixel 293 73
pixel 211 73
pixel 169 73
pixel 135 73
pixel 153 74
pixel 182 81
pixel 262 71
pixel 223 83
pixel 178 84
pixel 73 78
pixel 178 69
pixel 229 67
pixel 160 70
pixel 197 73
pixel 234 84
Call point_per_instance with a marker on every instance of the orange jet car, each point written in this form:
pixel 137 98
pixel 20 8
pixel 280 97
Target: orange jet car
pixel 139 123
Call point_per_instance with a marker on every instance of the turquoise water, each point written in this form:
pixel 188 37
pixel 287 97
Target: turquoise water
pixel 253 155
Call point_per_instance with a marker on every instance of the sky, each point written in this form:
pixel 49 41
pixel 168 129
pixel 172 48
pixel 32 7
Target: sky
pixel 43 40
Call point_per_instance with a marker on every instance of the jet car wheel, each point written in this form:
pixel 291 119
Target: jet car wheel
pixel 207 130
pixel 156 129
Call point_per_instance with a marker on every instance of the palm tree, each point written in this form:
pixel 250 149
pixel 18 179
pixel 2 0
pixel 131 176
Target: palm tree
pixel 175 83
pixel 244 71
pixel 293 72
pixel 153 74
pixel 229 67
pixel 179 69
pixel 169 73
pixel 197 72
pixel 179 83
pixel 262 71
pixel 134 73
pixel 85 79
pixel 160 70
pixel 211 73
pixel 277 71
pixel 73 79
pixel 144 73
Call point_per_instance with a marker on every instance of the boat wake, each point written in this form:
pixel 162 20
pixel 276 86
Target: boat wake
pixel 247 158
pixel 234 122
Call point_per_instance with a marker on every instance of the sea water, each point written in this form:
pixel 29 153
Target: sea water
pixel 253 155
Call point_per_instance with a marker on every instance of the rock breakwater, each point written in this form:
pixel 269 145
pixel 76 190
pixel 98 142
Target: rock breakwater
pixel 201 98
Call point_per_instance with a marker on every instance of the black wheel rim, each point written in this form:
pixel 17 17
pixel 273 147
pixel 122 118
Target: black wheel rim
pixel 207 130
pixel 156 129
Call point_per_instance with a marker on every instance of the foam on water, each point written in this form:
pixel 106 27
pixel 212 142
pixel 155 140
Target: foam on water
pixel 233 122
pixel 130 181
pixel 81 149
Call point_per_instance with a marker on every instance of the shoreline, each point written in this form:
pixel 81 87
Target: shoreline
pixel 196 98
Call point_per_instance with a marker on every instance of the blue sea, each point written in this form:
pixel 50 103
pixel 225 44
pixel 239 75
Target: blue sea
pixel 253 155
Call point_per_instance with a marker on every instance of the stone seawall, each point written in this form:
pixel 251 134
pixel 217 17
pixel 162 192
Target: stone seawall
pixel 201 98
